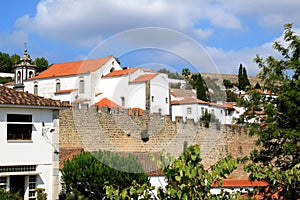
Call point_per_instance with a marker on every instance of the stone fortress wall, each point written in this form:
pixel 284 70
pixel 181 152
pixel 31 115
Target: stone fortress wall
pixel 115 130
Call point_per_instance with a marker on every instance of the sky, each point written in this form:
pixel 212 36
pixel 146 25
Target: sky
pixel 204 35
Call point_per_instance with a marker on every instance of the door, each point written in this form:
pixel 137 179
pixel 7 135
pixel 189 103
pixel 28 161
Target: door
pixel 17 184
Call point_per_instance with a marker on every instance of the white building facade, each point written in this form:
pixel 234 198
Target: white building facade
pixel 29 142
pixel 72 82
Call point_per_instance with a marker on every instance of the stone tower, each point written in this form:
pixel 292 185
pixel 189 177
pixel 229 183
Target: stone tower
pixel 24 70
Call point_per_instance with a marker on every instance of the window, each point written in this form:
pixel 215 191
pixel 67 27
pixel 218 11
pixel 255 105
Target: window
pixel 189 110
pixel 3 183
pixel 35 89
pixel 123 101
pixel 202 110
pixel 221 111
pixel 30 74
pixel 81 86
pixel 167 100
pixel 32 186
pixel 152 98
pixel 19 127
pixel 18 168
pixel 57 86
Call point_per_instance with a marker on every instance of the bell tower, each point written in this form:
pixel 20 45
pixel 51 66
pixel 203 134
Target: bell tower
pixel 24 70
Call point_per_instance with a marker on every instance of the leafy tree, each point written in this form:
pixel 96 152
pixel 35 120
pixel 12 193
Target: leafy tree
pixel 243 80
pixel 187 179
pixel 277 161
pixel 41 64
pixel 8 195
pixel 15 59
pixel 6 64
pixel 257 86
pixel 231 96
pixel 199 84
pixel 186 72
pixel 227 83
pixel 87 174
pixel 206 118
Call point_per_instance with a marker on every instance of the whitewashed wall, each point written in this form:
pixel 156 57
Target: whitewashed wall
pixel 38 151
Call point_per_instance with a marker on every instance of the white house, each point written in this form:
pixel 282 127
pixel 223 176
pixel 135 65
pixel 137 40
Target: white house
pixel 29 139
pixel 72 81
pixel 137 88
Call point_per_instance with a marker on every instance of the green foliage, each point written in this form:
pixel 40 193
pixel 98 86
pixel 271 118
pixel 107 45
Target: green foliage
pixel 188 179
pixel 231 96
pixel 199 84
pixel 243 80
pixel 277 160
pixel 7 195
pixel 41 64
pixel 206 118
pixel 5 80
pixel 87 174
pixel 6 64
pixel 227 83
pixel 41 195
pixel 186 72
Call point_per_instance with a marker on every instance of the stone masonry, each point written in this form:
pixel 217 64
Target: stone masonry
pixel 115 130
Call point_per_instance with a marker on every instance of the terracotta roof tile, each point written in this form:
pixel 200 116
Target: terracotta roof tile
pixel 226 105
pixel 183 93
pixel 108 103
pixel 120 72
pixel 144 78
pixel 73 68
pixel 240 183
pixel 188 101
pixel 10 96
pixel 65 91
pixel 67 154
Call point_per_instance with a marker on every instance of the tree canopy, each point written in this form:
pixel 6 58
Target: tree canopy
pixel 277 159
pixel 199 84
pixel 243 80
pixel 87 174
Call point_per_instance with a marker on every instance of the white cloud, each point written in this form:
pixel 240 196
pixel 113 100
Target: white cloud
pixel 73 21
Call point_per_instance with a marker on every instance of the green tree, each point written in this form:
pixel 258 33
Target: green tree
pixel 187 179
pixel 41 64
pixel 6 64
pixel 227 83
pixel 7 195
pixel 277 160
pixel 243 80
pixel 15 59
pixel 87 174
pixel 186 72
pixel 199 84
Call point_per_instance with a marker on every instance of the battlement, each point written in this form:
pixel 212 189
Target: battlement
pixel 120 130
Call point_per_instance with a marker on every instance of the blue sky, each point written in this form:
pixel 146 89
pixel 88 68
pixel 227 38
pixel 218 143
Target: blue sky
pixel 204 35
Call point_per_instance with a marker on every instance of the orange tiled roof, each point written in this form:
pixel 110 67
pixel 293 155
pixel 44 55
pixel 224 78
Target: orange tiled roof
pixel 240 183
pixel 67 154
pixel 10 96
pixel 72 68
pixel 188 101
pixel 106 102
pixel 226 105
pixel 120 72
pixel 144 78
pixel 65 91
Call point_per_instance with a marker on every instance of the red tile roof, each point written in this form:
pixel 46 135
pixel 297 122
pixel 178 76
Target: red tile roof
pixel 240 183
pixel 67 154
pixel 73 68
pixel 122 72
pixel 108 103
pixel 226 105
pixel 65 91
pixel 10 96
pixel 144 78
pixel 188 101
